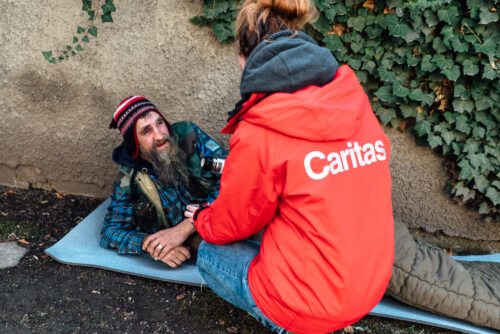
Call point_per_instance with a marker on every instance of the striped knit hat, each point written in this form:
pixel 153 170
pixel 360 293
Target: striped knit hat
pixel 126 116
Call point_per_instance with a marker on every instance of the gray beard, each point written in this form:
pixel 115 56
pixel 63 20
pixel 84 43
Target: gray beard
pixel 170 166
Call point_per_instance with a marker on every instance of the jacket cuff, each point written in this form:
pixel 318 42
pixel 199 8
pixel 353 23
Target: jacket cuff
pixel 197 212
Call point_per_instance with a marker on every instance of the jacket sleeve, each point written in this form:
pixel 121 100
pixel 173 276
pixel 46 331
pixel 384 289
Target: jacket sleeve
pixel 248 198
pixel 119 230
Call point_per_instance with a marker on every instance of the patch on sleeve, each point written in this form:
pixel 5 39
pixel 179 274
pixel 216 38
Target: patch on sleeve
pixel 125 181
pixel 212 145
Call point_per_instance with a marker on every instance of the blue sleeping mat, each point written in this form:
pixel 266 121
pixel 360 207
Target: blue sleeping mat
pixel 81 247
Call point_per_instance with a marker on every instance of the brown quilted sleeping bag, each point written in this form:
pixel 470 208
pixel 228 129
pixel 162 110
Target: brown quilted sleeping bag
pixel 424 276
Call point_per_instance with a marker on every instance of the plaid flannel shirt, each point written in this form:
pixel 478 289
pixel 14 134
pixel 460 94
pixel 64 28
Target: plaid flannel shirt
pixel 121 229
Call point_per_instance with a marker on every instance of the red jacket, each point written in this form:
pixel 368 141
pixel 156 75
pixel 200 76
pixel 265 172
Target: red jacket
pixel 312 168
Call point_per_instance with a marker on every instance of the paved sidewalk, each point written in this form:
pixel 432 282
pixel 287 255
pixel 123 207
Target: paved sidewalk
pixel 10 254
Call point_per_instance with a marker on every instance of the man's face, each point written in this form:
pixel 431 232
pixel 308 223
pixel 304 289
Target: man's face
pixel 152 134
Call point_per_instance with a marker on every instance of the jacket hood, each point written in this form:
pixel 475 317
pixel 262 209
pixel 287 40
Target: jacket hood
pixel 331 112
pixel 121 156
pixel 285 62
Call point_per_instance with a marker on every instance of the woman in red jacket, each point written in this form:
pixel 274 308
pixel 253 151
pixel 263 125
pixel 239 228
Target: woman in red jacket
pixel 309 164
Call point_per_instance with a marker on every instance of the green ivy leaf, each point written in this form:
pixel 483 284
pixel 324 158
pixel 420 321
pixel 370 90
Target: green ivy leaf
pixel 369 65
pixel 395 27
pixel 335 44
pixel 461 106
pixel 92 31
pixel 492 151
pixel 340 8
pixel 489 72
pixel 430 18
pixel 215 7
pixel 47 55
pixel 106 18
pixel 418 95
pixel 434 141
pixel 484 102
pixel 467 172
pixel 489 45
pixel 75 39
pixel 484 208
pixel 399 90
pixel 79 48
pixel 460 91
pixel 322 25
pixel 448 136
pixel 449 15
pixel 79 30
pixel 87 5
pixel 478 132
pixel 427 65
pixel 494 195
pixel 357 44
pixel 462 125
pixel 201 21
pixel 481 183
pixel 222 33
pixel 452 74
pixel 91 14
pixel 386 114
pixel 108 7
pixel 479 161
pixel 408 111
pixel 442 61
pixel 470 68
pixel 85 39
pixel 461 190
pixel 354 63
pixel 73 53
pixel 450 117
pixel 460 47
pixel 357 23
pixel 384 93
pixel 68 47
pixel 438 45
pixel 487 16
pixel 423 128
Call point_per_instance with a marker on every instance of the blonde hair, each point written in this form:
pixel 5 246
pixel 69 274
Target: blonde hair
pixel 258 19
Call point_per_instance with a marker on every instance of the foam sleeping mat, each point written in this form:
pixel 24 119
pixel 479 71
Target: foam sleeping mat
pixel 81 247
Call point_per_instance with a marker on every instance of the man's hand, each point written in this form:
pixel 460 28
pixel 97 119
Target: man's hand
pixel 176 256
pixel 161 243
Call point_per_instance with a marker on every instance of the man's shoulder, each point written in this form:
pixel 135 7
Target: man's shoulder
pixel 124 176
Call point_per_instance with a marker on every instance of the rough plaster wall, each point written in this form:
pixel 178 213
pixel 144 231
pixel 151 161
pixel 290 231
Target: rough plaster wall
pixel 54 120
pixel 56 116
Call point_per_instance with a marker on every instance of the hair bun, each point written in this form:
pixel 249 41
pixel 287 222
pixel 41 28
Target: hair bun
pixel 300 10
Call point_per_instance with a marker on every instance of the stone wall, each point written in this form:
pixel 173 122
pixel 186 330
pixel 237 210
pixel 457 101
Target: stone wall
pixel 54 124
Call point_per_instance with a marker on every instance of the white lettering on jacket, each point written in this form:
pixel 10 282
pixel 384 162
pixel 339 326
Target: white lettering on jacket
pixel 353 156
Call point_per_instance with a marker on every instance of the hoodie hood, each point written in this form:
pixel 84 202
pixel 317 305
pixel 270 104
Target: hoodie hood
pixel 285 62
pixel 331 112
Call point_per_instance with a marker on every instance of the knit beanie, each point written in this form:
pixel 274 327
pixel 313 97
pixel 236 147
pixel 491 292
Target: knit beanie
pixel 125 119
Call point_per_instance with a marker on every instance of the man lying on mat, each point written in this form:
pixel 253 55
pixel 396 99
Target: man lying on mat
pixel 159 175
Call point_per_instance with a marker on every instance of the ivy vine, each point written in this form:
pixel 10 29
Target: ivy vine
pixel 83 33
pixel 429 66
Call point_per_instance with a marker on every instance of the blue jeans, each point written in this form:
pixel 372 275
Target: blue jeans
pixel 225 269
